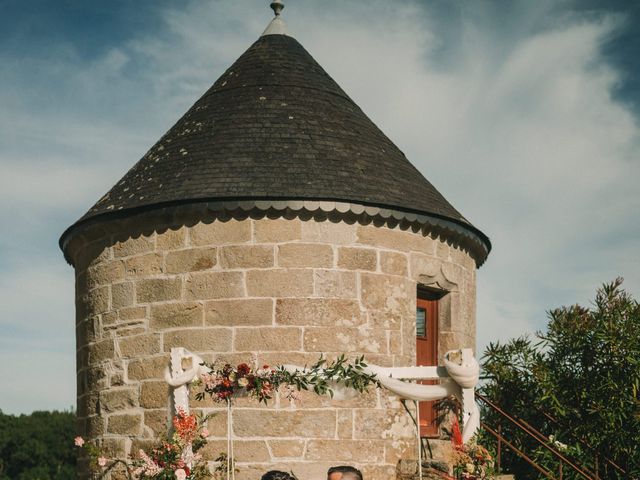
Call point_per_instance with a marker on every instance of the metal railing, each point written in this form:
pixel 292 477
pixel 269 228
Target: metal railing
pixel 540 438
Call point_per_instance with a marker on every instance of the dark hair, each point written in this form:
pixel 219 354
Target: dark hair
pixel 278 475
pixel 346 469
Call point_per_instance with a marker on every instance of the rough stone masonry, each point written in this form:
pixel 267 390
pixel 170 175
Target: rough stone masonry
pixel 283 291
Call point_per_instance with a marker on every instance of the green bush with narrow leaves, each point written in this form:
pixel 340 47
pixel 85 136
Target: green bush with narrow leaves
pixel 578 383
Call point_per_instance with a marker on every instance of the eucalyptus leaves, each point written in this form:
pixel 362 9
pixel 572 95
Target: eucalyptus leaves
pixel 224 381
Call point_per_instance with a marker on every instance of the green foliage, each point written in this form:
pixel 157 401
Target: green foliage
pixel 578 383
pixel 37 446
pixel 318 376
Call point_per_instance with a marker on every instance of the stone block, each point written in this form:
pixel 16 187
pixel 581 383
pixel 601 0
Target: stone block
pixel 342 339
pixel 319 311
pixel 378 472
pixel 368 399
pixel 117 399
pixel 346 451
pixel 239 312
pixel 125 424
pixel 280 283
pixel 116 375
pixel 395 343
pixel 199 339
pixel 354 258
pixel 332 283
pixel 382 423
pixel 122 295
pixel 246 256
pixel 88 330
pixel 206 286
pixel 246 451
pixel 157 420
pixel 133 246
pixel 139 345
pixel 132 313
pixel 393 263
pixel 345 423
pixel 442 250
pixel 328 232
pixel 287 448
pixel 105 273
pixel 218 232
pixel 388 292
pixel 452 273
pixel 96 378
pixel 291 358
pixel 94 426
pixel 129 329
pixel 175 315
pixel 97 301
pixel 305 255
pixel 217 422
pixel 82 357
pixel 144 265
pixel 277 230
pixel 88 404
pixel 285 423
pixel 387 320
pixel 101 351
pixel 147 368
pixel 154 394
pixel 158 290
pixel 171 239
pixel 394 239
pixel 267 339
pixel 421 265
pixel 191 260
pixel 112 447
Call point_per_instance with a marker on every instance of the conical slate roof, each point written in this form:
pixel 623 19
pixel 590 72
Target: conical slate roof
pixel 276 126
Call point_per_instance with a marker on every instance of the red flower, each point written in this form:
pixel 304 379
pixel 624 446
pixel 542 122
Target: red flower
pixel 456 435
pixel 243 369
pixel 186 425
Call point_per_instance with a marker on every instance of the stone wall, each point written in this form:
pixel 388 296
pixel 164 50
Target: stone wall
pixel 283 291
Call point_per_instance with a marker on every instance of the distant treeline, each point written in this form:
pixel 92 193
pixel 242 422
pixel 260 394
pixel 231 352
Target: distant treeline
pixel 37 446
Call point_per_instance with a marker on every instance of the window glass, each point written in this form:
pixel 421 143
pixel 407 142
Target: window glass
pixel 421 322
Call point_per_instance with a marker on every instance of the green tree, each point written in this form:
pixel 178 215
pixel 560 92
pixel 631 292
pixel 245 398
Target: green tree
pixel 37 446
pixel 579 380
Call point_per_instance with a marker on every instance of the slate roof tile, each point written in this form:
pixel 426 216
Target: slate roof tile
pixel 275 124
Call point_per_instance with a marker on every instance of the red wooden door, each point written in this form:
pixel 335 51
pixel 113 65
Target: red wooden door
pixel 427 354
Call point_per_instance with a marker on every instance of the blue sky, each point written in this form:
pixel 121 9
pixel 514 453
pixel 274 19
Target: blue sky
pixel 525 115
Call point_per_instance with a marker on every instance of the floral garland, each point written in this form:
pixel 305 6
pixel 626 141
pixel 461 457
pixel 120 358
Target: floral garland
pixel 224 382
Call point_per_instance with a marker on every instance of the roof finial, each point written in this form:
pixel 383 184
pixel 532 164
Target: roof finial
pixel 277 25
pixel 277 6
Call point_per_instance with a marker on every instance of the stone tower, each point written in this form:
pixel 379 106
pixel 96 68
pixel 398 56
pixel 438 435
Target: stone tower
pixel 273 219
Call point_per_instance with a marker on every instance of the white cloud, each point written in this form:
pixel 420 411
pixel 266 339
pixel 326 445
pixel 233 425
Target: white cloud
pixel 516 127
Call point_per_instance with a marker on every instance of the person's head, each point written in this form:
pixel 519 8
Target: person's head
pixel 278 475
pixel 344 472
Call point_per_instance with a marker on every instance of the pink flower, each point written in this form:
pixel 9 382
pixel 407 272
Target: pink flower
pixel 180 474
pixel 204 433
pixel 78 441
pixel 102 461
